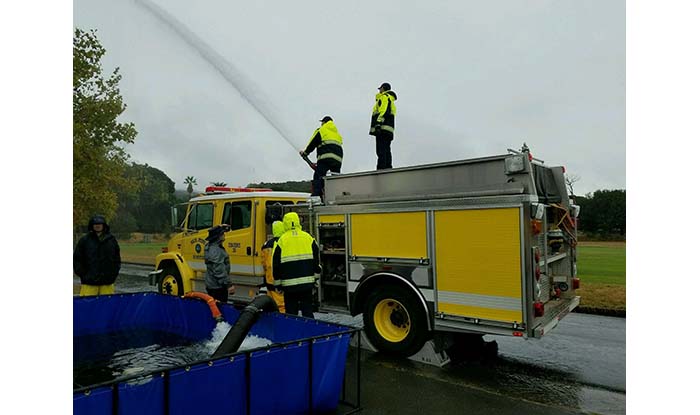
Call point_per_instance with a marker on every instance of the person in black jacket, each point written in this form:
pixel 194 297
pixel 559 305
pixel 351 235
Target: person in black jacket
pixel 96 259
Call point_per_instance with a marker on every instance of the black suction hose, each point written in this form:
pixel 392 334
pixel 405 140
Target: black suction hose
pixel 248 316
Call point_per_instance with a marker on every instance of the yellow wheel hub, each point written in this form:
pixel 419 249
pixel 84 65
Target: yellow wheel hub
pixel 392 320
pixel 170 285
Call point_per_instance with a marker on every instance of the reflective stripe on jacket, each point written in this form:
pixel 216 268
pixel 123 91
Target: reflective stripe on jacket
pixel 295 260
pixel 327 142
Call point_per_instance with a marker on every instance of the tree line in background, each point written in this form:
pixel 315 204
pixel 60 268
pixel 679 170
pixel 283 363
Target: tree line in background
pixel 603 214
pixel 291 186
pixel 147 209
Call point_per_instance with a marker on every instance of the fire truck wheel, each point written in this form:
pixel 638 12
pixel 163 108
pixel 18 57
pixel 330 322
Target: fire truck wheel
pixel 170 281
pixel 395 321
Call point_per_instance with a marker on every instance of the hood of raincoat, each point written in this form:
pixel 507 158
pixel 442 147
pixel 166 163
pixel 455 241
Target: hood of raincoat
pixel 329 126
pixel 291 221
pixel 98 219
pixel 277 228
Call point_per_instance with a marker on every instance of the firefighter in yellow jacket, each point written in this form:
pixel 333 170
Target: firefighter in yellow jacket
pixel 267 248
pixel 295 261
pixel 328 144
pixel 382 124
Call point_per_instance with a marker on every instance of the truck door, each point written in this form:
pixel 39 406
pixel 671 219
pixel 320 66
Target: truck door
pixel 239 241
pixel 199 220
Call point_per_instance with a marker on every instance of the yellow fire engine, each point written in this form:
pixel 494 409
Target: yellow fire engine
pixel 484 246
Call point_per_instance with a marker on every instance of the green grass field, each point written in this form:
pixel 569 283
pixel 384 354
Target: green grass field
pixel 140 252
pixel 601 268
pixel 602 264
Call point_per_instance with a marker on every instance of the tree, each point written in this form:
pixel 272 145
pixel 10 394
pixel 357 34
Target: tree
pixel 99 160
pixel 148 209
pixel 570 179
pixel 603 213
pixel 190 181
pixel 220 184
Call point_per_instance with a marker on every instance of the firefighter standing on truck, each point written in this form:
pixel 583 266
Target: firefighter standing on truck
pixel 382 124
pixel 267 249
pixel 329 152
pixel 295 260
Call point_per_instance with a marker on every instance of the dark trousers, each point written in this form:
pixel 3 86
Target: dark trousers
pixel 293 301
pixel 219 294
pixel 322 167
pixel 383 151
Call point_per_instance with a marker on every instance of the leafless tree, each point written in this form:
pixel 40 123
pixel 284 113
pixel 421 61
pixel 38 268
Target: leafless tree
pixel 570 179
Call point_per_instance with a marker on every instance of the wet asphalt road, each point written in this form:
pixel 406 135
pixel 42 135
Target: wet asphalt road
pixel 579 368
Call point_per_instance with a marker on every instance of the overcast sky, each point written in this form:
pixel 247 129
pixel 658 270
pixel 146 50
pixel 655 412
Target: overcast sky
pixel 473 78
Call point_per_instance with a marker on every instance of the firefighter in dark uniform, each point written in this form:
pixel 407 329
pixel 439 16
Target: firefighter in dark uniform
pixel 329 152
pixel 295 261
pixel 382 124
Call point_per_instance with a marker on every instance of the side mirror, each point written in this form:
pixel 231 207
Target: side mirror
pixel 173 217
pixel 177 217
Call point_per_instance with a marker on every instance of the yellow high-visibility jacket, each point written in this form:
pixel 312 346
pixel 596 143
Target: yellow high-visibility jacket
pixel 383 114
pixel 295 258
pixel 327 142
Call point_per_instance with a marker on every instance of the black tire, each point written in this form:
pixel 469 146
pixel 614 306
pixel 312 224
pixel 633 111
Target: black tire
pixel 395 320
pixel 170 281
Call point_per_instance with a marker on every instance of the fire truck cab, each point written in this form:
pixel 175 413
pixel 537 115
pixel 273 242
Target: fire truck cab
pixel 181 268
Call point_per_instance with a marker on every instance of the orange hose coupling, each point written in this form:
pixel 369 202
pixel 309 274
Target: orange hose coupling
pixel 211 302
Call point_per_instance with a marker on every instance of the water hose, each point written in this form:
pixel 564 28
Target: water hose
pixel 248 316
pixel 309 162
pixel 211 302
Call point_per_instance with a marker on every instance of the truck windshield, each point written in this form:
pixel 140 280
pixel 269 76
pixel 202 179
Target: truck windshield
pixel 201 216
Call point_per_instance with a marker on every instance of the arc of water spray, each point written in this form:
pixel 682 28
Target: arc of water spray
pixel 233 76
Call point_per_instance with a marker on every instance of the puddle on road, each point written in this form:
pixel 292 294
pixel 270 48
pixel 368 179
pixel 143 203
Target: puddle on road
pixel 534 382
pixel 513 378
pixel 520 380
